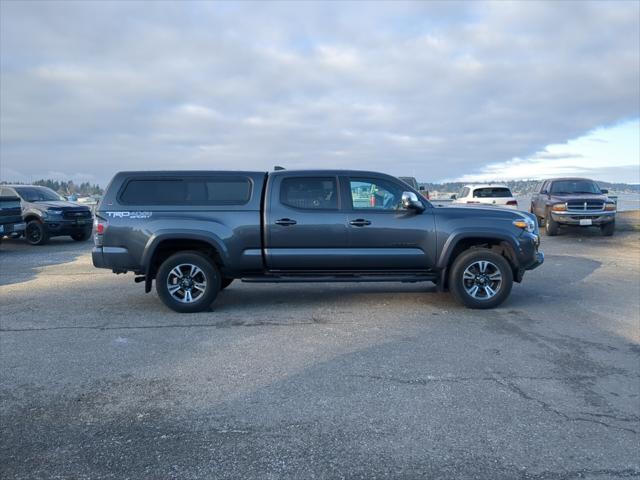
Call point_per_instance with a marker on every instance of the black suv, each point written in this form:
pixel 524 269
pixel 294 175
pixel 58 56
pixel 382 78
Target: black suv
pixel 48 215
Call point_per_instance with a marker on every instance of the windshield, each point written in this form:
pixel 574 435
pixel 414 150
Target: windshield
pixel 37 194
pixel 575 186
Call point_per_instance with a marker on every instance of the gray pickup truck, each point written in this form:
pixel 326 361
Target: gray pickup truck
pixel 195 232
pixel 573 201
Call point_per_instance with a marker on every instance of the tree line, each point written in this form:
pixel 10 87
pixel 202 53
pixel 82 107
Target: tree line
pixel 67 187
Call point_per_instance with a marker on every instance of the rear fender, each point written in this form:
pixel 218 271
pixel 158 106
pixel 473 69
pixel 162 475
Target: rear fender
pixel 198 235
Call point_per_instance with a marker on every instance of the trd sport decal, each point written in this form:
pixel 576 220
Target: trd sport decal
pixel 130 215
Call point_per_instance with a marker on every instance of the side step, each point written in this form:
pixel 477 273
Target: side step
pixel 340 278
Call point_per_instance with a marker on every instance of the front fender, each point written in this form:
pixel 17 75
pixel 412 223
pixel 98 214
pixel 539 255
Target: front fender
pixel 461 234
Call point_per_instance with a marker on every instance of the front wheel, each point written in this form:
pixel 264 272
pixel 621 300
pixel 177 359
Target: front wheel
pixel 480 278
pixel 36 233
pixel 188 282
pixel 607 229
pixel 551 227
pixel 82 237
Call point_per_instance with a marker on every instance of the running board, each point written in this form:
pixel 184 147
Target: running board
pixel 340 278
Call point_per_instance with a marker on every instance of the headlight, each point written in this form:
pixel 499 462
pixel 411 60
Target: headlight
pixel 525 223
pixel 610 207
pixel 559 207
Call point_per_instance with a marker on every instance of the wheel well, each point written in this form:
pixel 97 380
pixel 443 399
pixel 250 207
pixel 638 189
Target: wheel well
pixel 28 218
pixel 166 248
pixel 496 245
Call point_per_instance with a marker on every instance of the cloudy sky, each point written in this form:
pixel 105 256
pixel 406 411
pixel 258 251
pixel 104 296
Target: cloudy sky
pixel 435 90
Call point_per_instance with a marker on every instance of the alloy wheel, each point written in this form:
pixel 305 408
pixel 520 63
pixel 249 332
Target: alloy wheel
pixel 186 283
pixel 482 280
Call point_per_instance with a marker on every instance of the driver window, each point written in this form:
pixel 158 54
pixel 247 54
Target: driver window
pixel 375 194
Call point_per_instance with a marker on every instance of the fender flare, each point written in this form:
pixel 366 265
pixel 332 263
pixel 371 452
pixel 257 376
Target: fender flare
pixel 32 212
pixel 461 234
pixel 199 235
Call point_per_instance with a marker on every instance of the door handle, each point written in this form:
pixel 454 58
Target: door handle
pixel 359 222
pixel 285 222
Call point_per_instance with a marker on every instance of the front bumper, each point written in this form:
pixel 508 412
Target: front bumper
pixel 527 255
pixel 583 218
pixel 68 227
pixel 12 228
pixel 539 260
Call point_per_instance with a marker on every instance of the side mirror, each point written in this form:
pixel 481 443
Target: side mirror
pixel 422 189
pixel 410 201
pixel 604 191
pixel 544 192
pixel 454 197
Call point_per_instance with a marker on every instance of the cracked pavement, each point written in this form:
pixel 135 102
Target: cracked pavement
pixel 100 381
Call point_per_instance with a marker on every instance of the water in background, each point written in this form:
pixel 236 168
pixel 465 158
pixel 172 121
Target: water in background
pixel 626 202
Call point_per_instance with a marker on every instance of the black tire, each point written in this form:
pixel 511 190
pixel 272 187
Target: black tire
pixel 225 282
pixel 82 237
pixel 462 287
pixel 607 229
pixel 36 233
pixel 207 275
pixel 551 227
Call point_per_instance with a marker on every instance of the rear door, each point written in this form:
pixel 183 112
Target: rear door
pixel 383 235
pixel 305 228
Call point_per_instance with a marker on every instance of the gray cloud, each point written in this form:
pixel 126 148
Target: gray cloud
pixel 430 89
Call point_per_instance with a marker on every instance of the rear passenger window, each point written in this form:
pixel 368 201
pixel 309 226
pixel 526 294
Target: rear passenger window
pixel 309 193
pixel 187 191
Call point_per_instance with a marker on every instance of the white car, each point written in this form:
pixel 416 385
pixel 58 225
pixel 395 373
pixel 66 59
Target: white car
pixel 498 195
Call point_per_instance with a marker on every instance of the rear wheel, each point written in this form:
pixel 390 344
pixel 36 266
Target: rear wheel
pixel 480 278
pixel 36 233
pixel 188 282
pixel 608 228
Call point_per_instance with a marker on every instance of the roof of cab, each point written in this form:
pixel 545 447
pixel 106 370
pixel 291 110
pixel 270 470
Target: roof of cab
pixel 143 173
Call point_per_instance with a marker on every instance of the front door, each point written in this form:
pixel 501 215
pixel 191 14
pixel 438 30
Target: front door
pixel 382 234
pixel 305 227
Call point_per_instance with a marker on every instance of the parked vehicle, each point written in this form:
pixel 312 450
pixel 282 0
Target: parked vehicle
pixel 11 223
pixel 498 195
pixel 195 232
pixel 573 201
pixel 47 214
pixel 413 183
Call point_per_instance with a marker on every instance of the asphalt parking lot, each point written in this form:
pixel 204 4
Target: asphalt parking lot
pixel 321 380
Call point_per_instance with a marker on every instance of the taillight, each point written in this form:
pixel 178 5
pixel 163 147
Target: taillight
pixel 99 226
pixel 513 202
